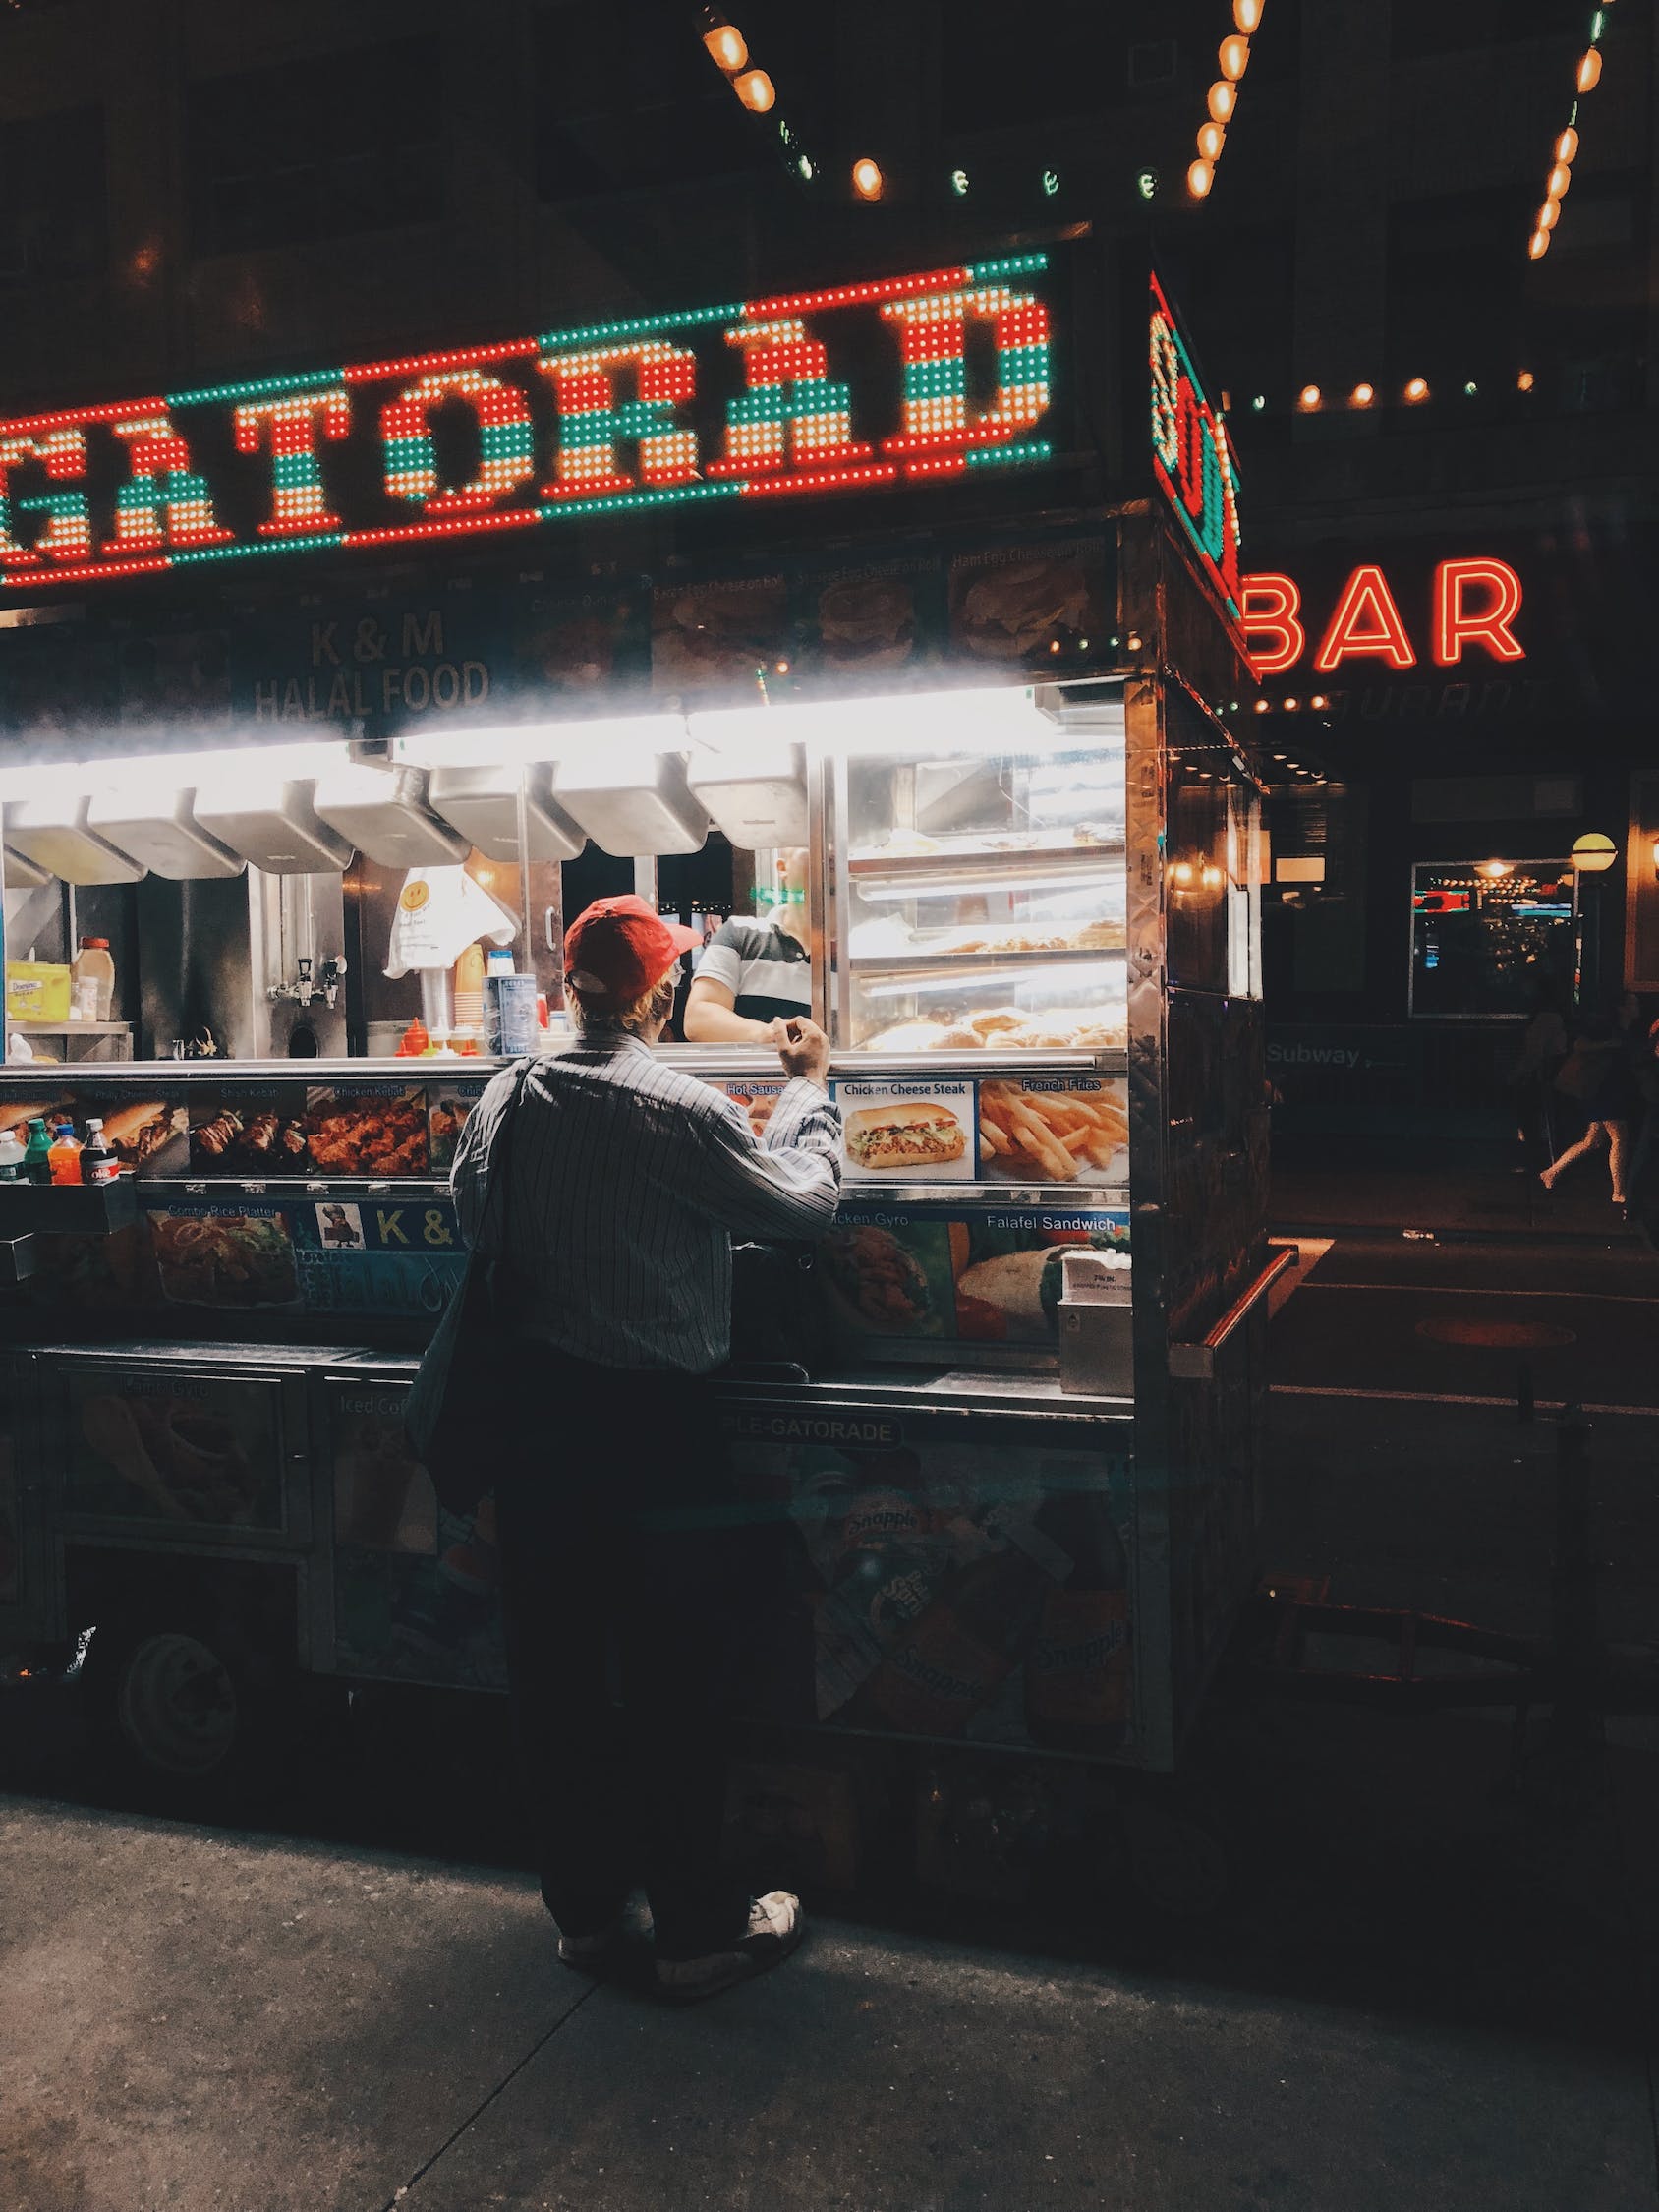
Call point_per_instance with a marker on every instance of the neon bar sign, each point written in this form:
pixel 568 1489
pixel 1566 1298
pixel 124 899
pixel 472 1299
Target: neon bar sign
pixel 1190 455
pixel 1472 602
pixel 535 431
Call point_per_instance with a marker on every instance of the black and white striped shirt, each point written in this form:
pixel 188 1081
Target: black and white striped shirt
pixel 629 1178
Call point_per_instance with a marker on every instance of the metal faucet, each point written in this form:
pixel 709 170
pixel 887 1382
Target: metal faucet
pixel 304 990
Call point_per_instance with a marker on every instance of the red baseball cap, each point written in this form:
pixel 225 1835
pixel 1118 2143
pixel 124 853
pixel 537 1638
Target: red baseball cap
pixel 617 950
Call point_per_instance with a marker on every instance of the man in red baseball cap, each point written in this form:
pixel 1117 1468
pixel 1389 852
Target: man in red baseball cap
pixel 622 1182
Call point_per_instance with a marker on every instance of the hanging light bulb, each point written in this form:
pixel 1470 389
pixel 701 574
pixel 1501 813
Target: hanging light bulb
pixel 1307 400
pixel 1538 245
pixel 1222 99
pixel 1567 145
pixel 867 178
pixel 1200 176
pixel 1418 390
pixel 1211 138
pixel 1558 180
pixel 1589 69
pixel 756 90
pixel 727 48
pixel 1363 394
pixel 1247 13
pixel 1526 380
pixel 1232 57
pixel 1549 214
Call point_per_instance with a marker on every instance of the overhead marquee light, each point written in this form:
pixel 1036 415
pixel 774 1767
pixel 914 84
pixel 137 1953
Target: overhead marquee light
pixel 1565 150
pixel 727 48
pixel 1232 58
pixel 756 90
pixel 867 178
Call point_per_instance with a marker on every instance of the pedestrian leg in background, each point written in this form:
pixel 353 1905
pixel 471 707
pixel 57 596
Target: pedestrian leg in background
pixel 1618 1149
pixel 1593 1139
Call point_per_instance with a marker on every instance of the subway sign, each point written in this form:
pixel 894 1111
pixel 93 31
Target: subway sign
pixel 910 379
pixel 1191 459
pixel 1472 605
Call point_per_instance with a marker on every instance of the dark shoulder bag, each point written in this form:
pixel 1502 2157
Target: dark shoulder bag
pixel 467 1368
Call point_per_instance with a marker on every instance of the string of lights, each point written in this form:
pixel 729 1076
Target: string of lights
pixel 1415 391
pixel 1586 77
pixel 1232 59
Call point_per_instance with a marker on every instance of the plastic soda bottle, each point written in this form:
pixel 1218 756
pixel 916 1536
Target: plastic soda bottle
pixel 37 1153
pixel 98 1163
pixel 64 1157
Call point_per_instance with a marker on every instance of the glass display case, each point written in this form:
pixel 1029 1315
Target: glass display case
pixel 980 891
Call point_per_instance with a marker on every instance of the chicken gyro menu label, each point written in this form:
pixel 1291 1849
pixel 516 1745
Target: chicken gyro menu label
pixel 178 1449
pixel 920 1130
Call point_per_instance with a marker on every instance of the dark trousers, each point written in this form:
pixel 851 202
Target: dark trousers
pixel 621 1568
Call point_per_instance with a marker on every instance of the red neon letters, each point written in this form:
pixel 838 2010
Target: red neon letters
pixel 1473 602
pixel 1271 604
pixel 1456 624
pixel 1366 621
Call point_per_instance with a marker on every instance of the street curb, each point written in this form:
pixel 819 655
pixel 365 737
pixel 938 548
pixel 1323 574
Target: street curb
pixel 1630 1238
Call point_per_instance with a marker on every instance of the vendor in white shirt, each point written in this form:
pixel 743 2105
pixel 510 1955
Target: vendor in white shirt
pixel 756 975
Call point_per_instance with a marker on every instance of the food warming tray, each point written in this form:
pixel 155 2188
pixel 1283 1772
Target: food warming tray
pixel 55 835
pixel 483 801
pixel 383 812
pixel 755 794
pixel 163 832
pixel 270 820
pixel 631 806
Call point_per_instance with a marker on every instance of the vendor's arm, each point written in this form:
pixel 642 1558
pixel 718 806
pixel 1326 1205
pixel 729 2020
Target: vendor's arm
pixel 712 1017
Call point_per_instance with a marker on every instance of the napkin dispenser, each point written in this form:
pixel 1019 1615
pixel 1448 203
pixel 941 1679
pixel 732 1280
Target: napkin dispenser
pixel 1096 1317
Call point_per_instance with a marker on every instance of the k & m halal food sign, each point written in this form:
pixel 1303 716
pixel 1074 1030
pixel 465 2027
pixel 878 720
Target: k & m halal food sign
pixel 913 380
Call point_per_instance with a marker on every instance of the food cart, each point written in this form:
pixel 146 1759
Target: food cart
pixel 979 664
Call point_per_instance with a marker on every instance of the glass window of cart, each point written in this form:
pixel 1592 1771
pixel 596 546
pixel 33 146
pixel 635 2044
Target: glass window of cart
pixel 1489 936
pixel 1211 871
pixel 980 876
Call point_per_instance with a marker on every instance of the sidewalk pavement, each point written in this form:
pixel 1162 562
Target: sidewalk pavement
pixel 1482 1196
pixel 201 2021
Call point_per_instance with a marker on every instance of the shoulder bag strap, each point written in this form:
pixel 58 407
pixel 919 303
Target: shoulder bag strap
pixel 501 1154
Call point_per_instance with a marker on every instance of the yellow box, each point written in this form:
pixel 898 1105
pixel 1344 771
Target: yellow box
pixel 36 991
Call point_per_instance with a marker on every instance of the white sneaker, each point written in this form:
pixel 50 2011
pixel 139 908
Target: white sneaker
pixel 777 1924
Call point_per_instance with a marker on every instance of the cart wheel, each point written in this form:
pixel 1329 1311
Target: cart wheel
pixel 1179 1867
pixel 178 1705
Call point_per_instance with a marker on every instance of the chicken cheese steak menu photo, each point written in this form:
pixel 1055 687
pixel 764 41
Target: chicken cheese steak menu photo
pixel 897 1130
pixel 183 1448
